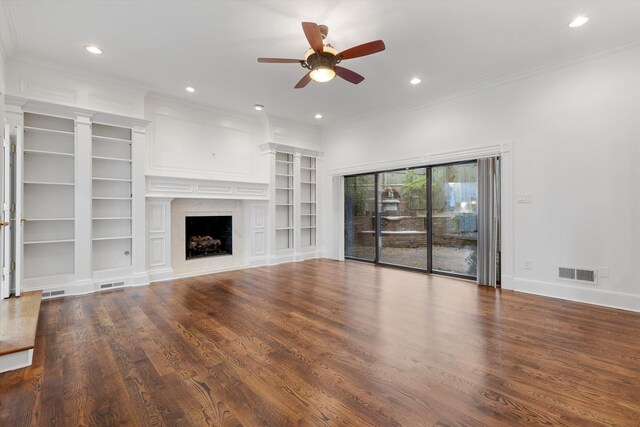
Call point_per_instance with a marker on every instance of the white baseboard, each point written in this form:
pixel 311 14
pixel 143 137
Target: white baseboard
pixel 583 294
pixel 17 360
pixel 160 274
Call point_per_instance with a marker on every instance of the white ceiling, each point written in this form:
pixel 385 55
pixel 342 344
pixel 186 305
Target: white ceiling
pixel 213 45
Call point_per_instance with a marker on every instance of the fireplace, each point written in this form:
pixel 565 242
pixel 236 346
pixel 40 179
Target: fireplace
pixel 208 236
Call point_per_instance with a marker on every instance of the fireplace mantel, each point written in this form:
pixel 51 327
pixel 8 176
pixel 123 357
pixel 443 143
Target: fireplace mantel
pixel 169 187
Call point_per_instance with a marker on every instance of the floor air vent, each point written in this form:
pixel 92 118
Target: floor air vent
pixel 577 274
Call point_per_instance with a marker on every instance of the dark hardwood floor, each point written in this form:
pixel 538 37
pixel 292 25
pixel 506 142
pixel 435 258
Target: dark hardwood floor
pixel 326 343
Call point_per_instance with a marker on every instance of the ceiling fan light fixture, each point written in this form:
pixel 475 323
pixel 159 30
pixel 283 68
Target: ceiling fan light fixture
pixel 322 74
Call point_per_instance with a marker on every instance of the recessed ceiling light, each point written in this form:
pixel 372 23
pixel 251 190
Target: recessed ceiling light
pixel 258 107
pixel 318 116
pixel 94 49
pixel 190 89
pixel 415 81
pixel 580 20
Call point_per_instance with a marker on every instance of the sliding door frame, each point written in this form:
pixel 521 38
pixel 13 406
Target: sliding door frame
pixel 428 219
pixel 375 215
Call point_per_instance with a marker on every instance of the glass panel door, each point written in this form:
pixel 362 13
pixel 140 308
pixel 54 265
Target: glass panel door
pixel 359 217
pixel 402 208
pixel 454 207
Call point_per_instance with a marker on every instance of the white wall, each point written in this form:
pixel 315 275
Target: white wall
pixel 575 136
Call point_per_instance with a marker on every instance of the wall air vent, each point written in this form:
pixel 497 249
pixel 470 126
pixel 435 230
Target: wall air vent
pixel 585 275
pixel 106 285
pixel 52 294
pixel 567 273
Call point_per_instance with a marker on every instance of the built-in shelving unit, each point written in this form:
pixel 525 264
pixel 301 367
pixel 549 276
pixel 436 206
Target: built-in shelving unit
pixel 48 188
pixel 284 201
pixel 111 237
pixel 308 194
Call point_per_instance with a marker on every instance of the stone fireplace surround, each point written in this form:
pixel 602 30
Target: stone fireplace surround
pixel 182 208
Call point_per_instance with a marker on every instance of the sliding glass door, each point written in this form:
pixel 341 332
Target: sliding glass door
pixel 454 218
pixel 360 217
pixel 424 218
pixel 402 210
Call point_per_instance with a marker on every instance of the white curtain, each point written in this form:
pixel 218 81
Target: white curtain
pixel 488 221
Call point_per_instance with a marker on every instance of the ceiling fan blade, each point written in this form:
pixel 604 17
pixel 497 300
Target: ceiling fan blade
pixel 363 50
pixel 304 81
pixel 280 60
pixel 348 75
pixel 314 36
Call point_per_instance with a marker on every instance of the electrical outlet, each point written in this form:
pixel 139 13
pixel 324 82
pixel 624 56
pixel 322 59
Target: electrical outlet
pixel 528 264
pixel 603 272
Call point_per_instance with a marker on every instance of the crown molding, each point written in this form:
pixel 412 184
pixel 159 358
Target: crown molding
pixel 583 53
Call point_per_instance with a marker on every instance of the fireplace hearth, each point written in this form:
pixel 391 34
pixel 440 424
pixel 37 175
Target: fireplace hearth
pixel 208 236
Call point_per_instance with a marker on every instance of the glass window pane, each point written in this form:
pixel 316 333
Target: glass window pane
pixel 359 217
pixel 454 196
pixel 402 206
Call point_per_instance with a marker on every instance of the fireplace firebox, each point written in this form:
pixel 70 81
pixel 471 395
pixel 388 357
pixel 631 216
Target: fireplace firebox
pixel 208 236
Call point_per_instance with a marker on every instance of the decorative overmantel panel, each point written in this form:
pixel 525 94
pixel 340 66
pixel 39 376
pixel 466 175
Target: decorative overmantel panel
pixel 183 188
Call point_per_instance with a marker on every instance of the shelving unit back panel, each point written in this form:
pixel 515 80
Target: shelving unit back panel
pixel 284 239
pixel 49 259
pixel 47 169
pixel 58 143
pixel 106 148
pixel 111 254
pixel 111 208
pixel 111 169
pixel 48 230
pixel 284 216
pixel 111 228
pixel 108 131
pixel 48 122
pixel 48 201
pixel 111 189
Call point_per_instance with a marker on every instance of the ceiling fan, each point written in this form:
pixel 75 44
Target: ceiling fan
pixel 322 59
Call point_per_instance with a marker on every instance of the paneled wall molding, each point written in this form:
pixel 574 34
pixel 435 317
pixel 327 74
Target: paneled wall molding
pixel 42 81
pixel 184 188
pixel 426 159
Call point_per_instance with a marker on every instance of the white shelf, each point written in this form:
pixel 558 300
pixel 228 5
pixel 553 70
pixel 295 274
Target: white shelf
pixel 49 219
pixel 308 226
pixel 48 153
pixel 307 169
pixel 39 242
pixel 284 204
pixel 308 214
pixel 107 138
pixel 111 198
pixel 283 175
pixel 111 218
pixel 283 188
pixel 284 162
pixel 308 182
pixel 284 228
pixel 47 131
pixel 69 184
pixel 308 202
pixel 111 159
pixel 111 179
pixel 112 238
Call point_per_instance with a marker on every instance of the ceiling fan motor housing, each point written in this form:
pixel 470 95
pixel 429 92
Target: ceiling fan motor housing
pixel 322 60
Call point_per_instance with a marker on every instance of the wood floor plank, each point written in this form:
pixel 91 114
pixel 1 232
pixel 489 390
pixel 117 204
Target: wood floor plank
pixel 325 343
